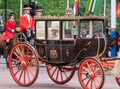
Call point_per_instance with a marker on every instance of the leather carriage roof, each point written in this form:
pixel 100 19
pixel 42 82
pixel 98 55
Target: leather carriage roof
pixel 91 17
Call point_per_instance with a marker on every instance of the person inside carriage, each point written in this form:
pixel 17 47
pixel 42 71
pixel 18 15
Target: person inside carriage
pixel 10 29
pixel 27 23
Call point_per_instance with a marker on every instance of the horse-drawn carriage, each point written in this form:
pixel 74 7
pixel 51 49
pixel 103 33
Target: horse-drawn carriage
pixel 65 44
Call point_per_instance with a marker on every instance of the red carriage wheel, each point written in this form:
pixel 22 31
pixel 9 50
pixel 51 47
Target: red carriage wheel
pixel 118 80
pixel 23 64
pixel 91 74
pixel 60 75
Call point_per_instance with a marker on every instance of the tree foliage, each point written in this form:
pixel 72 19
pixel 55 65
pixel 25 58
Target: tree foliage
pixel 50 7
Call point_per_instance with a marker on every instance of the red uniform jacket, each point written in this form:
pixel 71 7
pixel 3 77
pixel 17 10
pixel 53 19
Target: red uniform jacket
pixel 10 26
pixel 25 24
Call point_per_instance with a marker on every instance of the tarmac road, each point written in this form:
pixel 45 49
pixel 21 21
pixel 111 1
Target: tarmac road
pixel 44 82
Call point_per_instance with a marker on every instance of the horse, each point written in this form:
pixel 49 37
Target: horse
pixel 3 44
pixel 7 47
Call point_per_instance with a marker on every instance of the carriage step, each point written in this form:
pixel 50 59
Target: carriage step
pixel 108 64
pixel 109 58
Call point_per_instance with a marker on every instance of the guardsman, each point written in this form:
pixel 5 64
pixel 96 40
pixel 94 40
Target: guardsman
pixel 27 22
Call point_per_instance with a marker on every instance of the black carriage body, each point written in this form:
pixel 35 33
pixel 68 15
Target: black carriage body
pixel 69 47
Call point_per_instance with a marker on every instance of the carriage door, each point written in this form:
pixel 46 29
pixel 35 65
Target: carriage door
pixel 68 43
pixel 53 41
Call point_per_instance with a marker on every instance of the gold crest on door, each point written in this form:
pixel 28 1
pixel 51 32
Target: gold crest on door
pixel 53 53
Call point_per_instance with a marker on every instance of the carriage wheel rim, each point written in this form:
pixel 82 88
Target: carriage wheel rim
pixel 59 75
pixel 118 80
pixel 91 75
pixel 23 72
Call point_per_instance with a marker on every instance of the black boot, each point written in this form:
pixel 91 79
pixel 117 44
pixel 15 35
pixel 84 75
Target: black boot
pixel 7 45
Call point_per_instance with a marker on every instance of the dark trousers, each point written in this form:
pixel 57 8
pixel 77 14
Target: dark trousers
pixel 25 33
pixel 1 51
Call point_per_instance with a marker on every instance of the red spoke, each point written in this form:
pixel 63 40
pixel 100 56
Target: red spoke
pixel 92 67
pixel 98 80
pixel 65 74
pixel 61 76
pixel 31 72
pixel 24 76
pixel 28 74
pixel 88 66
pixel 86 69
pixel 83 72
pixel 20 74
pixel 23 51
pixel 97 71
pixel 28 51
pixel 33 67
pixel 13 67
pixel 88 82
pixel 18 56
pixel 91 83
pixel 18 51
pixel 84 79
pixel 57 74
pixel 54 71
pixel 95 83
pixel 49 67
pixel 17 71
pixel 14 60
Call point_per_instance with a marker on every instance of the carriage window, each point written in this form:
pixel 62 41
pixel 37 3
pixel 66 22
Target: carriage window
pixel 69 29
pixel 89 28
pixel 53 30
pixel 84 31
pixel 97 27
pixel 40 29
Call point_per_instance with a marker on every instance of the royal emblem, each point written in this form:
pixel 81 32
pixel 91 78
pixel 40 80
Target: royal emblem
pixel 53 53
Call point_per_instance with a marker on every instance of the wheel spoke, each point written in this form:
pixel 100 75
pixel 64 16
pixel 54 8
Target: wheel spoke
pixel 86 69
pixel 23 50
pixel 54 72
pixel 24 76
pixel 21 74
pixel 31 73
pixel 65 75
pixel 57 74
pixel 94 67
pixel 17 71
pixel 91 84
pixel 84 79
pixel 95 82
pixel 87 82
pixel 88 65
pixel 28 75
pixel 18 56
pixel 61 76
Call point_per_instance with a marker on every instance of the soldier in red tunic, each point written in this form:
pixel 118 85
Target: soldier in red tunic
pixel 27 22
pixel 10 28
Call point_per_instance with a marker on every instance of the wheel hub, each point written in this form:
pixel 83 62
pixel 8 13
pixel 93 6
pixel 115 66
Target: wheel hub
pixel 90 75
